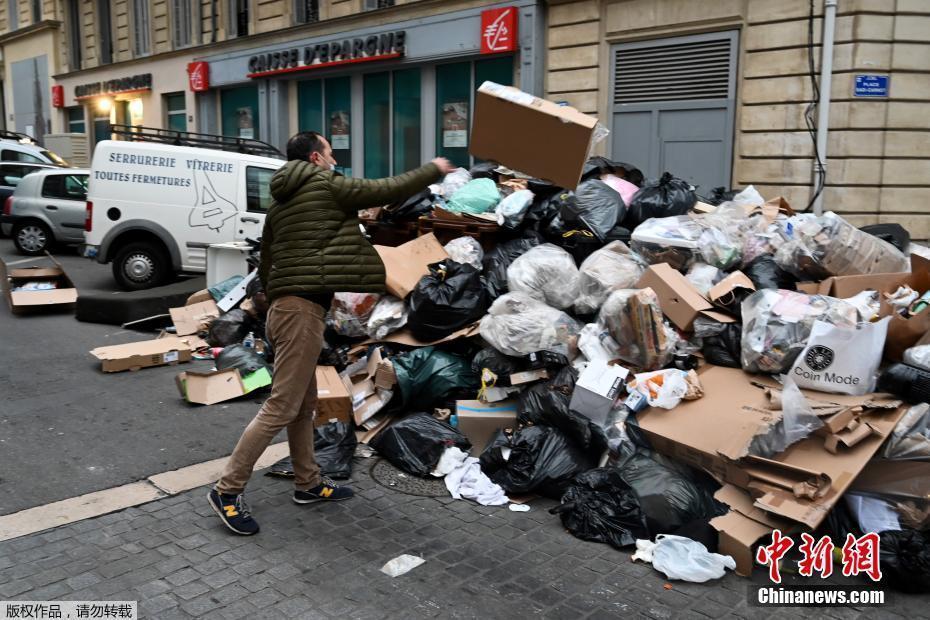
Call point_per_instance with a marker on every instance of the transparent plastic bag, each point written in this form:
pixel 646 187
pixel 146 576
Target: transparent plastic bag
pixel 777 325
pixel 517 324
pixel 596 343
pixel 511 210
pixel 688 560
pixel 683 240
pixel 349 313
pixel 547 273
pixel 611 268
pixel 465 250
pixel 453 182
pixel 918 356
pixel 704 276
pixel 635 321
pixel 828 245
pixel 388 315
pixel 797 421
pixel 910 438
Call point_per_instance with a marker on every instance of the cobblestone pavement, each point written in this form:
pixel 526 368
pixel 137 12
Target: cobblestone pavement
pixel 323 561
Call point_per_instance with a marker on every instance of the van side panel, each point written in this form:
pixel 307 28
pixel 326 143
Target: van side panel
pixel 107 248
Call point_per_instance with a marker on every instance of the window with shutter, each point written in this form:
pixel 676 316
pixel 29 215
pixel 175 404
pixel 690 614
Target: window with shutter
pixel 308 11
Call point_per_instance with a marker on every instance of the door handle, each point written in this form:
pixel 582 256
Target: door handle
pixel 253 220
pixel 51 207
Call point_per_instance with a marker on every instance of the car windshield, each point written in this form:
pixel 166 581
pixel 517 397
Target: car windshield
pixel 56 159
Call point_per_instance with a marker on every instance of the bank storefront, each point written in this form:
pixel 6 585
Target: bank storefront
pixel 388 97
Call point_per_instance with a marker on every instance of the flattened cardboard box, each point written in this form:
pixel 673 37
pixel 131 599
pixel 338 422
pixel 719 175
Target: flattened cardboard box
pixel 21 302
pixel 406 264
pixel 801 484
pixel 518 130
pixel 208 388
pixel 188 319
pixel 147 353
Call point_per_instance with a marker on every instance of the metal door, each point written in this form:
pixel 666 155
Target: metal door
pixel 672 106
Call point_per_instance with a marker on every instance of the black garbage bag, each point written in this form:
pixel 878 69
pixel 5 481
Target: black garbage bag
pixel 416 443
pixel 419 204
pixel 601 507
pixel 428 376
pixel 447 299
pixel 594 206
pixel 547 404
pixel 904 557
pixel 230 328
pixel 496 262
pixel 719 195
pixel 595 167
pixel 485 170
pixel 629 172
pixel 895 234
pixel 543 212
pixel 243 358
pixel 333 447
pixel 723 349
pixel 541 460
pixel 542 189
pixel 765 273
pixel 501 365
pixel 664 197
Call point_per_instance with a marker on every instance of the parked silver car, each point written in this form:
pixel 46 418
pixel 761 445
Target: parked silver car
pixel 48 206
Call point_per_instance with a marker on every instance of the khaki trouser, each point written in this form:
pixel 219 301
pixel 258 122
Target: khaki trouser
pixel 295 329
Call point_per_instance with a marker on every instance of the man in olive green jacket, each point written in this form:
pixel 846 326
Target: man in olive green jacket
pixel 311 248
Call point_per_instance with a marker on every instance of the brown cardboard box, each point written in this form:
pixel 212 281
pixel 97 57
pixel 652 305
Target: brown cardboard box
pixel 403 336
pixel 334 402
pixel 679 300
pixel 158 352
pixel 406 264
pixel 801 484
pixel 903 333
pixel 208 388
pixel 528 376
pixel 720 292
pixel 21 302
pixel 519 130
pixel 189 319
pixel 198 297
pixel 479 421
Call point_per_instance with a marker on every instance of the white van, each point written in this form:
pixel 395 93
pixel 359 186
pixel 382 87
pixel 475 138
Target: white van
pixel 154 208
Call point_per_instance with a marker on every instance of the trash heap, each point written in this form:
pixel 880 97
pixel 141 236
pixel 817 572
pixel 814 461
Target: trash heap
pixel 683 373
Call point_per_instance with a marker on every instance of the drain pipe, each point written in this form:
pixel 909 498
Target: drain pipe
pixel 823 106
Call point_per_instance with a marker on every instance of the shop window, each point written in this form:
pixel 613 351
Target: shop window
pixel 377 125
pixel 240 112
pixel 238 18
pixel 258 188
pixel 105 28
pixel 183 12
pixel 13 12
pixel 498 70
pixel 36 11
pixel 406 120
pixel 175 112
pixel 453 111
pixel 338 129
pixel 310 106
pixel 75 42
pixel 371 5
pixel 76 122
pixel 307 11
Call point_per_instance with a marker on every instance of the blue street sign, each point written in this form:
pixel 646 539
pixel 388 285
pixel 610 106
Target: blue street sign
pixel 871 86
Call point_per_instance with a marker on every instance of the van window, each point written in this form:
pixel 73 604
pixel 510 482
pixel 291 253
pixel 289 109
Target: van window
pixel 258 188
pixel 65 187
pixel 10 155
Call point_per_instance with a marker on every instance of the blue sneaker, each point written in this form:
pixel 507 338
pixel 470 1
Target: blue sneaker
pixel 327 491
pixel 234 512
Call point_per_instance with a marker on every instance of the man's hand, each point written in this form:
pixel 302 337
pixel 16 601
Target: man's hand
pixel 444 165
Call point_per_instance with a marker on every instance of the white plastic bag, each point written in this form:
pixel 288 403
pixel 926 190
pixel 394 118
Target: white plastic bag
pixel 516 324
pixel 389 315
pixel 465 250
pixel 688 560
pixel 662 388
pixel 401 564
pixel 511 210
pixel 611 268
pixel 596 343
pixel 919 356
pixel 546 273
pixel 453 182
pixel 840 359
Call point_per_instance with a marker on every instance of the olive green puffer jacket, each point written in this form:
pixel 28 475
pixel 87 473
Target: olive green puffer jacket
pixel 311 242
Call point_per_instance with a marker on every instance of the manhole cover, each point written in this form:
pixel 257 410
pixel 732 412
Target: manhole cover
pixel 389 476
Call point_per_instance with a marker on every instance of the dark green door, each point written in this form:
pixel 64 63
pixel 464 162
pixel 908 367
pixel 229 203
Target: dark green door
pixel 240 112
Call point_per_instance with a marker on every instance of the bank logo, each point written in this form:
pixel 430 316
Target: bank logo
pixel 819 357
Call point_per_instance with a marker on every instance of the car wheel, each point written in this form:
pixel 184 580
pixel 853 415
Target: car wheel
pixel 31 238
pixel 140 265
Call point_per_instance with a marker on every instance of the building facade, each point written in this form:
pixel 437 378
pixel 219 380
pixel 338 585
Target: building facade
pixel 716 91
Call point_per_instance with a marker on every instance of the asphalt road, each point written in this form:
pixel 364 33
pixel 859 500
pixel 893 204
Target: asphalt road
pixel 67 428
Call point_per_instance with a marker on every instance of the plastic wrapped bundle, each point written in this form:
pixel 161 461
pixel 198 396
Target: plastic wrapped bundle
pixel 635 321
pixel 777 325
pixel 512 209
pixel 830 246
pixel 349 313
pixel 547 273
pixel 476 196
pixel 388 315
pixel 465 250
pixel 453 182
pixel 517 324
pixel 683 240
pixel 611 268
